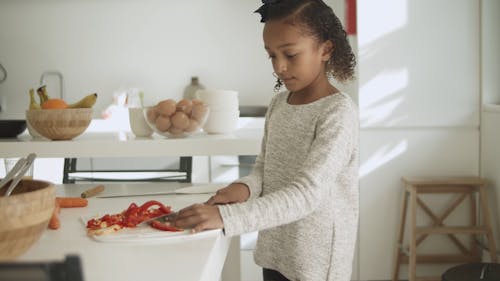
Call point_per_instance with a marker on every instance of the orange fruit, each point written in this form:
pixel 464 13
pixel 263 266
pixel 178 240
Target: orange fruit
pixel 54 104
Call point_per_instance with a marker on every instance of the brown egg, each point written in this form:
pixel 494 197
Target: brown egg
pixel 166 107
pixel 175 131
pixel 199 112
pixel 180 120
pixel 163 123
pixel 185 106
pixel 196 101
pixel 193 125
pixel 152 114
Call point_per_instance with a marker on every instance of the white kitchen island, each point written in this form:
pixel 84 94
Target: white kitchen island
pixel 187 259
pixel 184 257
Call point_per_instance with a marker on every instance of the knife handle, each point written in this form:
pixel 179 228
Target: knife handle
pixel 93 191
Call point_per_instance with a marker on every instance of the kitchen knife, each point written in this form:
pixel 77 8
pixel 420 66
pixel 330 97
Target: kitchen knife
pixel 195 189
pixel 165 217
pixel 136 194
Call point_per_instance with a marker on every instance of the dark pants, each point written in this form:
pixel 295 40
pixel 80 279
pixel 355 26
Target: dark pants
pixel 273 275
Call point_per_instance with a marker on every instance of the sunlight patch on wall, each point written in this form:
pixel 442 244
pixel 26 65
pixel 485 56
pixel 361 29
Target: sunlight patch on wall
pixel 381 96
pixel 374 25
pixel 382 156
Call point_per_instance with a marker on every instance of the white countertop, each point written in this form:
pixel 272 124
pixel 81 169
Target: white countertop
pixel 196 257
pixel 100 140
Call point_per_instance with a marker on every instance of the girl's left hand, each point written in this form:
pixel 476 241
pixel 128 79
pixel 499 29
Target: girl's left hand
pixel 199 217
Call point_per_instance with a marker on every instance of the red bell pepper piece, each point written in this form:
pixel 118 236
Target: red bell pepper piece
pixel 144 207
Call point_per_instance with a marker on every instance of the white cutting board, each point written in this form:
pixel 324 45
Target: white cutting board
pixel 147 234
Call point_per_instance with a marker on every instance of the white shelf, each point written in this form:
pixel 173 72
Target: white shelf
pixel 244 141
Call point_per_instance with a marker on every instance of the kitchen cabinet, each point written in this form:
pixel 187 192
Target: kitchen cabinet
pixel 490 118
pixel 490 161
pixel 419 63
pixel 490 51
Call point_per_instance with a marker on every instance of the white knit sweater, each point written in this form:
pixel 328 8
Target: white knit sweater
pixel 304 190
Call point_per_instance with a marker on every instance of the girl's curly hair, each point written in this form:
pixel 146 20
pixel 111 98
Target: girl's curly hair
pixel 316 19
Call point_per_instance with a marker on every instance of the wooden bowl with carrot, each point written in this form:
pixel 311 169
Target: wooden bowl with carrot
pixel 55 119
pixel 25 215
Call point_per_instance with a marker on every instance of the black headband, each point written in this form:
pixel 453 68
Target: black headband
pixel 264 8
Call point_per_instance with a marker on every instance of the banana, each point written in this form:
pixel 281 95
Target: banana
pixel 33 103
pixel 42 93
pixel 87 102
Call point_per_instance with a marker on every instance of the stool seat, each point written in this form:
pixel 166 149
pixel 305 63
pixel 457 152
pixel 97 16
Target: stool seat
pixel 461 188
pixel 450 230
pixel 473 271
pixel 446 181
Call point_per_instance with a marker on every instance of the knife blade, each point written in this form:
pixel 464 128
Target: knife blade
pixel 135 195
pixel 165 217
pixel 194 189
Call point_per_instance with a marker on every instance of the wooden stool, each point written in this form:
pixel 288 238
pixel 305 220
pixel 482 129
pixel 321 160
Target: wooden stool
pixel 463 187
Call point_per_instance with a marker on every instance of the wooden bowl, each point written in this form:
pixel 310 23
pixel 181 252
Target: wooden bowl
pixel 24 216
pixel 59 124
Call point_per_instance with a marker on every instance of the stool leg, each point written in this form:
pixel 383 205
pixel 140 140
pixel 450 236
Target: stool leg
pixel 399 244
pixel 412 266
pixel 486 216
pixel 473 223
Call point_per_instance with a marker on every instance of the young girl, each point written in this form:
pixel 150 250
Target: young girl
pixel 302 194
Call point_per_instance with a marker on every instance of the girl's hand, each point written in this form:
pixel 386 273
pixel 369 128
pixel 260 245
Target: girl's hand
pixel 198 217
pixel 233 193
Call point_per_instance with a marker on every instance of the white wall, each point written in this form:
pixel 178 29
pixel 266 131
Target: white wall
pixel 104 46
pixel 419 96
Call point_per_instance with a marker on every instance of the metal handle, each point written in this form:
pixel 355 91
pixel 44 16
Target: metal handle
pixel 26 165
pixel 12 173
pixel 61 80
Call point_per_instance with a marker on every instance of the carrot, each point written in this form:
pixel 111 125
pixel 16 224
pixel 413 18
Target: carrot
pixel 54 222
pixel 71 202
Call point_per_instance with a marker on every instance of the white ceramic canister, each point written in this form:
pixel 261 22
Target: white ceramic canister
pixel 219 99
pixel 138 124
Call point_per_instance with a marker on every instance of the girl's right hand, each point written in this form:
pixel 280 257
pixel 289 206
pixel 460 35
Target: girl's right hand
pixel 233 193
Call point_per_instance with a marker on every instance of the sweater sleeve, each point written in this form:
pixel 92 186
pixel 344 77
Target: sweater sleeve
pixel 331 150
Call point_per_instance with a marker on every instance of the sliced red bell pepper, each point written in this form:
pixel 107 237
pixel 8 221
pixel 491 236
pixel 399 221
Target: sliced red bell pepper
pixel 134 215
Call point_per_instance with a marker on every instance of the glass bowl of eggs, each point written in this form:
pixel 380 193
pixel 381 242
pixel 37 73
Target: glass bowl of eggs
pixel 179 119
